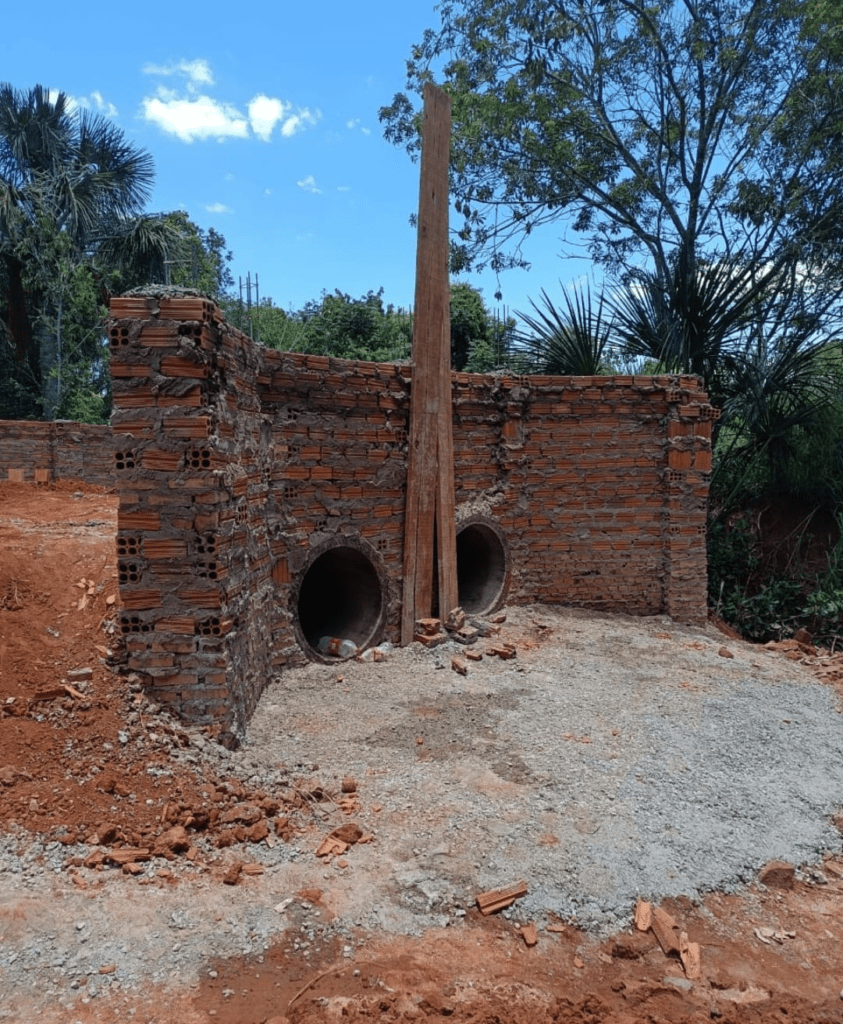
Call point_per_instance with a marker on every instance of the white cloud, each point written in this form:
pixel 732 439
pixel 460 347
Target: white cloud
pixel 366 131
pixel 264 113
pixel 199 118
pixel 197 72
pixel 106 108
pixel 343 188
pixel 267 191
pixel 75 103
pixel 219 208
pixel 309 184
pixel 296 122
pixel 352 123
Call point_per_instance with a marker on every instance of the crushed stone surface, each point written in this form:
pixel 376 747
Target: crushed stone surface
pixel 613 757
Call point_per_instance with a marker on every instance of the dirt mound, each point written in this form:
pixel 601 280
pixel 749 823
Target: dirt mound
pixel 84 756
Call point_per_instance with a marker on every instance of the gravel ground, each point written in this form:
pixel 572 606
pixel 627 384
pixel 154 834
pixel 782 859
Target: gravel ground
pixel 613 757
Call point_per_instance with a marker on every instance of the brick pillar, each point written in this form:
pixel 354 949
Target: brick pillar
pixel 686 480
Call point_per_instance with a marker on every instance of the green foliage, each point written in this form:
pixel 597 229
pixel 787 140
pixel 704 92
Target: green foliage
pixel 71 193
pixel 825 602
pixel 82 366
pixel 138 251
pixel 364 328
pixel 469 323
pixel 367 328
pixel 782 426
pixel 677 137
pixel 20 384
pixel 765 605
pixel 570 340
pixel 771 614
pixel 496 349
pixel 87 391
pixel 268 324
pixel 199 259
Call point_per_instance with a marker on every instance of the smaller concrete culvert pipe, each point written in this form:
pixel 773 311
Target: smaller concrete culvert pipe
pixel 482 566
pixel 340 596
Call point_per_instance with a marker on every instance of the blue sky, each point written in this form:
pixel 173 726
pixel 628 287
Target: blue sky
pixel 262 121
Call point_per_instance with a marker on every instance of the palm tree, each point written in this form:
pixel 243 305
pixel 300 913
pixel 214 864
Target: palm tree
pixel 570 340
pixel 758 336
pixel 72 190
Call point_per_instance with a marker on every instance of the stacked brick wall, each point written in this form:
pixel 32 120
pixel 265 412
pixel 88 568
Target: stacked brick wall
pixel 192 457
pixel 340 470
pixel 37 452
pixel 597 508
pixel 236 465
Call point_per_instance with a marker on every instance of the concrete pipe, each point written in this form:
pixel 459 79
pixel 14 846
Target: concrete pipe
pixel 340 597
pixel 482 565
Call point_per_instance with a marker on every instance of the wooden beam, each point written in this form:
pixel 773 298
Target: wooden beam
pixel 430 557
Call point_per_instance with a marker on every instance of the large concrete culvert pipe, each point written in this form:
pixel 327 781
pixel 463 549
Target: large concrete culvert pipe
pixel 482 565
pixel 341 596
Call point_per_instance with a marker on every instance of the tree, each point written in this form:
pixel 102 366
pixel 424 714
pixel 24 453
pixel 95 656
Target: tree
pixel 366 328
pixel 480 341
pixel 202 259
pixel 657 128
pixel 469 322
pixel 266 323
pixel 71 194
pixel 336 324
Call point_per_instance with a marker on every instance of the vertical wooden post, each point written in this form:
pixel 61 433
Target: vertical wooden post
pixel 429 523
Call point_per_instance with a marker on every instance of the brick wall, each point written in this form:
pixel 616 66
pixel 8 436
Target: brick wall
pixel 37 452
pixel 239 467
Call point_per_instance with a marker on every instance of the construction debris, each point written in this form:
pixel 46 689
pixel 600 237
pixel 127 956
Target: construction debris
pixel 330 847
pixel 643 915
pixel 232 875
pixel 430 639
pixel 497 899
pixel 689 954
pixel 455 620
pixel 466 635
pixel 673 940
pixel 769 935
pixel 665 930
pixel 339 840
pixel 503 651
pixel 427 627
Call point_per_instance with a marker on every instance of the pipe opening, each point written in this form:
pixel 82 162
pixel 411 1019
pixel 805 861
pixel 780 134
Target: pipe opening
pixel 340 597
pixel 482 568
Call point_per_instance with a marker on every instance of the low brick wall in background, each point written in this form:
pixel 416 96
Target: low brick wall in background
pixel 37 452
pixel 253 482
